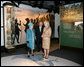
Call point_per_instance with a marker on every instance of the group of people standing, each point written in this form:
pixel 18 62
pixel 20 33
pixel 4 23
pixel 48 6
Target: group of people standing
pixel 38 38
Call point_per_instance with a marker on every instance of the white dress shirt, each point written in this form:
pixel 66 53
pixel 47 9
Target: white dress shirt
pixel 40 28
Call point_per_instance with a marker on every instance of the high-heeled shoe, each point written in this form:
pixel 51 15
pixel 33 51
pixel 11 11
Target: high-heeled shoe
pixel 46 57
pixel 28 55
pixel 32 54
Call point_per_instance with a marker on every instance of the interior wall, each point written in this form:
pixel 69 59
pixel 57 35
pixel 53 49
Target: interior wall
pixel 2 26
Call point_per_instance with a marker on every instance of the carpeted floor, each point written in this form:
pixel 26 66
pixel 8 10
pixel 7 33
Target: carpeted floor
pixel 70 55
pixel 54 51
pixel 36 60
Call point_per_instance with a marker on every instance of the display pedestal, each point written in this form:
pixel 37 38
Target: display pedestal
pixel 10 49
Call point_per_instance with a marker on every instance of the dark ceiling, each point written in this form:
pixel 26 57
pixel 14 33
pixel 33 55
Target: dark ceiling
pixel 50 5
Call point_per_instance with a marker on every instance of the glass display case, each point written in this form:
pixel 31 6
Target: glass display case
pixel 8 15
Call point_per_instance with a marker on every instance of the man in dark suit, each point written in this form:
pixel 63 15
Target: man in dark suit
pixel 39 31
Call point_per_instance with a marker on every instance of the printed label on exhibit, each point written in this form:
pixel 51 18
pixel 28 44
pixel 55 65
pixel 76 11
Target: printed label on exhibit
pixel 71 29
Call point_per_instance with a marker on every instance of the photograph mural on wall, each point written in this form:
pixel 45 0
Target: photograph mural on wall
pixel 15 30
pixel 71 21
pixel 16 24
pixel 25 16
pixel 71 12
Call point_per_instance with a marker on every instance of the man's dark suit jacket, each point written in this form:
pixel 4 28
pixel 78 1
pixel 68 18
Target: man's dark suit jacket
pixel 38 33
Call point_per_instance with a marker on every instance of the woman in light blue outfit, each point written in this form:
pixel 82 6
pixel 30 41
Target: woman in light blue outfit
pixel 30 37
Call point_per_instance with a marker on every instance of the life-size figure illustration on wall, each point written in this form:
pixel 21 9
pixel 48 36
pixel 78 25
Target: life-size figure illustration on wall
pixel 15 30
pixel 31 20
pixel 26 25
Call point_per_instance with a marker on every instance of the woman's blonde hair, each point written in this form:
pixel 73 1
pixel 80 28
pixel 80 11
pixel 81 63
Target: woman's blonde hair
pixel 47 23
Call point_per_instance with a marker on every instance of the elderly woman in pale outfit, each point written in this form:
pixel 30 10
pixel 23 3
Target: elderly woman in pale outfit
pixel 46 39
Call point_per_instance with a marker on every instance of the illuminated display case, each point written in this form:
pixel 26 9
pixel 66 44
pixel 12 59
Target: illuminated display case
pixel 8 15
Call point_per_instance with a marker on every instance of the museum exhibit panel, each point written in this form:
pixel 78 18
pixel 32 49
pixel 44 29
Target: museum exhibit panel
pixel 14 23
pixel 66 41
pixel 71 24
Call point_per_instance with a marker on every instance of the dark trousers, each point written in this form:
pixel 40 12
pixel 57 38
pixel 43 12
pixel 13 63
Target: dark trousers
pixel 39 45
pixel 17 37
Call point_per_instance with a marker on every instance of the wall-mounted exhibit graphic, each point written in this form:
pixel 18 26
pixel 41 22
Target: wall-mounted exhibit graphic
pixel 24 16
pixel 16 22
pixel 71 29
pixel 71 12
